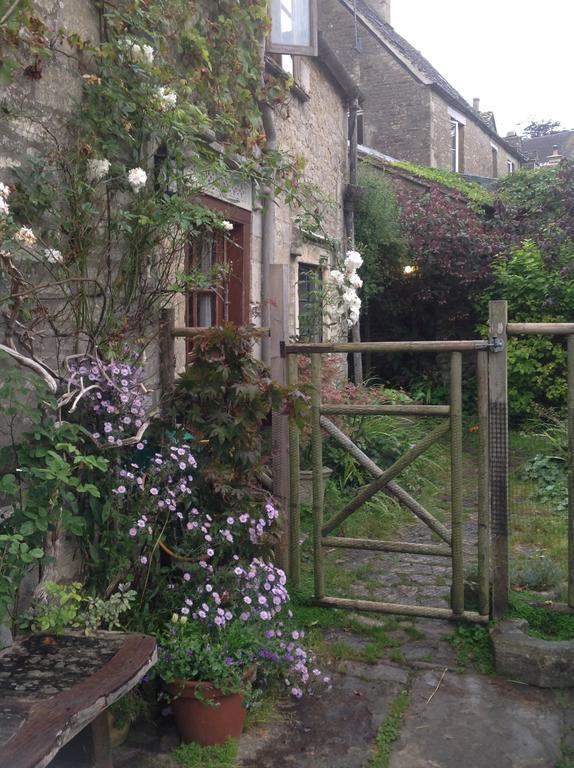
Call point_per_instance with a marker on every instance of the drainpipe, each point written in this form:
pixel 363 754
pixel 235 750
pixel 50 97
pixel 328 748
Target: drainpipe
pixel 268 222
pixel 349 214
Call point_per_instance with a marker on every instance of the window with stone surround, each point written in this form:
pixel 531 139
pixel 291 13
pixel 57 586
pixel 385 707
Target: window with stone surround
pixel 494 161
pixel 309 290
pixel 509 167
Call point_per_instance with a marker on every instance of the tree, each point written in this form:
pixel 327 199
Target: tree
pixel 541 128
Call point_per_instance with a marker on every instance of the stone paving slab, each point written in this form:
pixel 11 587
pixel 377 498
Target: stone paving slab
pixel 473 721
pixel 336 729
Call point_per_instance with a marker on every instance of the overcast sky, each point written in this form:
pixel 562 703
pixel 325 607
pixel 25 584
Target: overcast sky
pixel 515 55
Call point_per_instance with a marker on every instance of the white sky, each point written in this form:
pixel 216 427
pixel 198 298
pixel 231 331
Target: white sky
pixel 515 55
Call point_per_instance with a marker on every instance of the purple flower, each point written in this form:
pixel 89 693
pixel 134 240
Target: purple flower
pixel 133 532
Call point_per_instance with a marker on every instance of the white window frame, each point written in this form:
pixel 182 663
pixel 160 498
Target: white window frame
pixel 509 166
pixel 276 46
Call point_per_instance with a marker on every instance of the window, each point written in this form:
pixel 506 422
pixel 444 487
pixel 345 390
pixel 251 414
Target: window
pixel 287 63
pixel 494 161
pixel 293 27
pixel 454 146
pixel 310 279
pixel 509 167
pixel 226 299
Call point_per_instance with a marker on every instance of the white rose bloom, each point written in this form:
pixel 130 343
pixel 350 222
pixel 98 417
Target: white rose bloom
pixel 53 256
pixel 97 169
pixel 148 53
pixel 26 236
pixel 353 261
pixel 337 277
pixel 167 99
pixel 350 297
pixel 355 280
pixel 142 54
pixel 137 178
pixel 353 317
pixel 227 225
pixel 4 208
pixel 4 191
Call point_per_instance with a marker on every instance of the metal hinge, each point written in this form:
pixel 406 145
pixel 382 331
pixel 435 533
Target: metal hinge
pixel 496 345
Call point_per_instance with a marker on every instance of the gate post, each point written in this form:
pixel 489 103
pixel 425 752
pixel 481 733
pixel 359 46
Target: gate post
pixel 279 321
pixel 457 522
pixel 498 429
pixel 571 471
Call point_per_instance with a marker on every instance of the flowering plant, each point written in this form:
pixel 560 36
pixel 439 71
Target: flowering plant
pixel 346 282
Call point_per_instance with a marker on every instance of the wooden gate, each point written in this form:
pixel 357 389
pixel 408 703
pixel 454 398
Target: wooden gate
pixel 451 545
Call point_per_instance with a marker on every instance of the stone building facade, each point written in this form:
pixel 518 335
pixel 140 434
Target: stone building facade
pixel 410 111
pixel 312 124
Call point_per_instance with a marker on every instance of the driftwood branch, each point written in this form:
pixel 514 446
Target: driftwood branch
pixel 28 362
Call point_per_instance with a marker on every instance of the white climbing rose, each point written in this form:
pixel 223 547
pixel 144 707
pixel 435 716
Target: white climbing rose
pixel 337 277
pixel 353 261
pixel 53 256
pixel 227 225
pixel 97 168
pixel 355 280
pixel 137 178
pixel 26 236
pixel 167 98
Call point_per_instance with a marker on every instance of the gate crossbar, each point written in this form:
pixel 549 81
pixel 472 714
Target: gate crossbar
pixel 379 483
pixel 378 545
pixel 392 488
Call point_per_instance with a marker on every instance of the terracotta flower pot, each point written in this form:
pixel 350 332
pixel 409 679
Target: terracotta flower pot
pixel 212 720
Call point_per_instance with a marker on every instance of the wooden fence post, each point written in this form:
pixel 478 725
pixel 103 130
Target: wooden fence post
pixel 483 486
pixel 498 429
pixel 317 465
pixel 279 322
pixel 294 479
pixel 166 361
pixel 571 471
pixel 457 520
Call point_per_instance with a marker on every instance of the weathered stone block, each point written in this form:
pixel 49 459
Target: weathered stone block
pixel 544 663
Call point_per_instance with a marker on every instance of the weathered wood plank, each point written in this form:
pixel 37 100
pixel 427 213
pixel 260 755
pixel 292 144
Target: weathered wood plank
pixel 52 722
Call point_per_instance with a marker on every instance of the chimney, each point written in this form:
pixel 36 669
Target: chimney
pixel 476 104
pixel 382 8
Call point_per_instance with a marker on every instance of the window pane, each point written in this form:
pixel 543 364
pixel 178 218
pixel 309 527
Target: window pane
pixel 454 146
pixel 290 22
pixel 287 63
pixel 310 303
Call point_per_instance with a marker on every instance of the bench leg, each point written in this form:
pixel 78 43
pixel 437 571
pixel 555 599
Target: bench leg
pixel 101 741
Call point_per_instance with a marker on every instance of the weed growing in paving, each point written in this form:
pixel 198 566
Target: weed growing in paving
pixel 194 756
pixel 473 646
pixel 390 731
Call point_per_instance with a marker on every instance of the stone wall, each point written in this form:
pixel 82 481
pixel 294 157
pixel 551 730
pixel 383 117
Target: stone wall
pixel 396 107
pixel 316 129
pixel 478 144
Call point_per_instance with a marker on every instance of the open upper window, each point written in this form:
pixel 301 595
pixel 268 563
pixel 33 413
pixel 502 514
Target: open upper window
pixel 293 27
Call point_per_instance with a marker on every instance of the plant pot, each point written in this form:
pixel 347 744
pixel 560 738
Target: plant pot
pixel 306 484
pixel 210 720
pixel 118 733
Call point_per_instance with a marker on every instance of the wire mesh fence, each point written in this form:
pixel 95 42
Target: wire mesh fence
pixel 538 491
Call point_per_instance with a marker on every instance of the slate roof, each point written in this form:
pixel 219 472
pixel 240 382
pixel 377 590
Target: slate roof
pixel 388 34
pixel 541 147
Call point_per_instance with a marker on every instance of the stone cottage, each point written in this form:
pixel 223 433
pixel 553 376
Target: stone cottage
pixel 312 125
pixel 410 112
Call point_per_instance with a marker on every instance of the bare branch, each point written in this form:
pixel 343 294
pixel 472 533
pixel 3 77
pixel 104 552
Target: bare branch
pixel 27 362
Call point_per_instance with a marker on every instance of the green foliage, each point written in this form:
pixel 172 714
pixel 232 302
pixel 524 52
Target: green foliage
pixel 473 647
pixel 224 399
pixel 536 572
pixel 549 470
pixel 537 290
pixel 542 621
pixel 46 473
pixel 69 608
pixel 378 231
pixel 477 195
pixel 195 756
pixel 390 731
pixel 129 708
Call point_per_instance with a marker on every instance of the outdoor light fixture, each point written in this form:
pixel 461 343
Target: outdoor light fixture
pixel 293 27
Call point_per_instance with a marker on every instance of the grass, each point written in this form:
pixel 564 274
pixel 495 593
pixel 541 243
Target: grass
pixel 473 648
pixel 219 756
pixel 390 731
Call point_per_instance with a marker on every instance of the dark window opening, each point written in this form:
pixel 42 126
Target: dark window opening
pixel 310 285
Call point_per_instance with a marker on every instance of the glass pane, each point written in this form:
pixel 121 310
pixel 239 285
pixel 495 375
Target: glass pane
pixel 290 22
pixel 287 63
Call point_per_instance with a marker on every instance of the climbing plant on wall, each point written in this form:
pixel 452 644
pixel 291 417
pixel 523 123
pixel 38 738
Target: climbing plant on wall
pixel 92 229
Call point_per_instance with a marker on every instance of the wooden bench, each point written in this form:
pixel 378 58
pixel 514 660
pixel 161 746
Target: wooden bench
pixel 50 689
